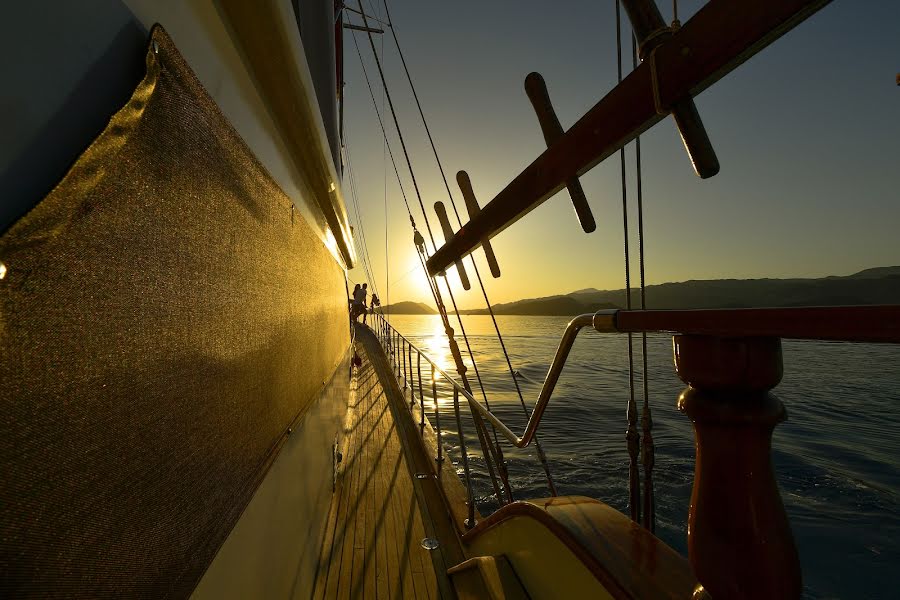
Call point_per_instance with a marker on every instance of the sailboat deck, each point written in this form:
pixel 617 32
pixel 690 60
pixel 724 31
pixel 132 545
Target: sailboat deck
pixel 372 546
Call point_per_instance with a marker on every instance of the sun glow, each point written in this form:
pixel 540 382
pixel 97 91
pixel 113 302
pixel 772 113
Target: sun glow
pixel 435 343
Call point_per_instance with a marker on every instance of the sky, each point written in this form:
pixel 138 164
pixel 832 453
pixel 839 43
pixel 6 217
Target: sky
pixel 807 133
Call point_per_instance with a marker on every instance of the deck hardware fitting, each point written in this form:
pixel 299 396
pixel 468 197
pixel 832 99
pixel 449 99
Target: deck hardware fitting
pixel 430 543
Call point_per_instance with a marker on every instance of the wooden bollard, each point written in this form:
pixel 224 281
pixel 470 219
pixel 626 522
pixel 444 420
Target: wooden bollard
pixel 739 539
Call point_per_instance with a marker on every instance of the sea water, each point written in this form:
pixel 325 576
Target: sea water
pixel 836 457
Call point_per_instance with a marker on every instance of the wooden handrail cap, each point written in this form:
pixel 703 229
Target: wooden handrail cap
pixel 728 364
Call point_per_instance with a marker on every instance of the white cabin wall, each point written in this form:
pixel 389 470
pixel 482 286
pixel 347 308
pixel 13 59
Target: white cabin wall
pixel 203 37
pixel 315 19
pixel 69 66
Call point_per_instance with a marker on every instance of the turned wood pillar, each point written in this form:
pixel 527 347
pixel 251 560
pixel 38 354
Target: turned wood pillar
pixel 739 540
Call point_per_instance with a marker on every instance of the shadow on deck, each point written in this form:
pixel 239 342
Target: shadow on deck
pixel 378 518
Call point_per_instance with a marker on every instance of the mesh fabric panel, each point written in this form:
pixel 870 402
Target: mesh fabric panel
pixel 164 317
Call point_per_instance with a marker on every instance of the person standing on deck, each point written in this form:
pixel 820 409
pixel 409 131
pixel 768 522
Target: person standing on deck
pixel 354 303
pixel 363 293
pixel 359 302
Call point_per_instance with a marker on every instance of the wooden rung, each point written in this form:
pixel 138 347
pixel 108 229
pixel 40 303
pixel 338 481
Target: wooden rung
pixel 537 92
pixel 465 185
pixel 647 23
pixel 716 40
pixel 448 233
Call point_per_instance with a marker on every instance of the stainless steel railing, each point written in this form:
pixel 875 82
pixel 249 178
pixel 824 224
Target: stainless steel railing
pixel 556 367
pixel 400 351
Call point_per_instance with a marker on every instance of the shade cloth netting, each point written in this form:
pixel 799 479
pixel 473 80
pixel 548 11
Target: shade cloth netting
pixel 165 315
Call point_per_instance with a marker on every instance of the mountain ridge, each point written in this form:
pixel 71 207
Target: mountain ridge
pixel 877 285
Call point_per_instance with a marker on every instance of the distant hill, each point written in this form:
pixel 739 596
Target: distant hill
pixel 880 285
pixel 559 306
pixel 407 308
pixel 874 273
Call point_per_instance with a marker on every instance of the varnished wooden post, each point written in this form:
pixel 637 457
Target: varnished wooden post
pixel 739 539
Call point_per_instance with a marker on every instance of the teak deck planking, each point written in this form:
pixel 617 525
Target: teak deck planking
pixel 372 544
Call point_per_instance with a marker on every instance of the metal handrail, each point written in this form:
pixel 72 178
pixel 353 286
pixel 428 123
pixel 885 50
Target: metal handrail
pixel 556 367
pixel 844 323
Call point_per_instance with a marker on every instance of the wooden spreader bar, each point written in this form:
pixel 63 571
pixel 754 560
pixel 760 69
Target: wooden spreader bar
pixel 721 36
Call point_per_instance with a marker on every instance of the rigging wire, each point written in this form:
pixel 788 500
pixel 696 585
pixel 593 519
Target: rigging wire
pixel 647 450
pixel 512 374
pixel 381 123
pixel 434 245
pixel 632 436
pixel 387 261
pixel 390 102
pixel 354 196
pixel 436 288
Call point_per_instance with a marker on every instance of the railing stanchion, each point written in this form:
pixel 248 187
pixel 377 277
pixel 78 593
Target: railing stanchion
pixel 412 394
pixel 437 418
pixel 403 360
pixel 470 521
pixel 421 397
pixel 490 458
pixel 412 379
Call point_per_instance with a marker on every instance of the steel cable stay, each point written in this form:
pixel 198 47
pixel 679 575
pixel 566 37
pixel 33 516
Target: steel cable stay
pixel 647 446
pixel 367 261
pixel 387 262
pixel 452 342
pixel 495 449
pixel 538 448
pixel 632 436
pixel 434 288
